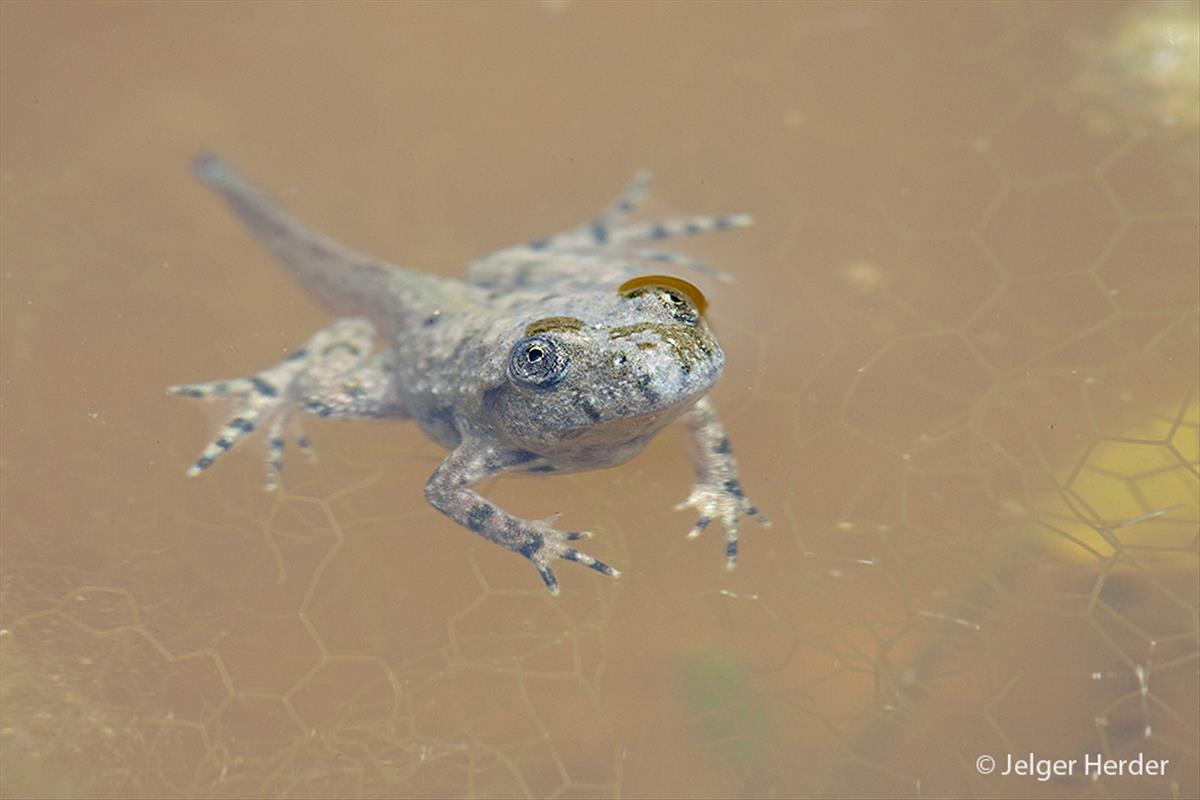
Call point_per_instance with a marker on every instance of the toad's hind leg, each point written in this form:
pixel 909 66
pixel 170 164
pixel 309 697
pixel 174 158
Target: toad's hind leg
pixel 333 375
pixel 612 231
pixel 608 239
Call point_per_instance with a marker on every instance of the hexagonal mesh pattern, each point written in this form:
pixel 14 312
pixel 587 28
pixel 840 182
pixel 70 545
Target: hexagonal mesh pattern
pixel 962 381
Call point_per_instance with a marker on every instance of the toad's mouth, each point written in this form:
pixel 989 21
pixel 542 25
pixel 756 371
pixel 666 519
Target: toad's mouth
pixel 608 426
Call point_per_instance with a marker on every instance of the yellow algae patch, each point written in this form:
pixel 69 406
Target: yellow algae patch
pixel 1137 494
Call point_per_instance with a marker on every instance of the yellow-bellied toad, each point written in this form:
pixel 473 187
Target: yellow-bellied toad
pixel 552 356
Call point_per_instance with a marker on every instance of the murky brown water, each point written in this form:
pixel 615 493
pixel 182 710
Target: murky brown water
pixel 962 380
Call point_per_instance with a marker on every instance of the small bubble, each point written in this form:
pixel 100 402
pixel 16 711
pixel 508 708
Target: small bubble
pixel 795 118
pixel 1014 509
pixel 863 276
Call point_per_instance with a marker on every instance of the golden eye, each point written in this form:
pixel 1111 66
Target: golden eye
pixel 673 286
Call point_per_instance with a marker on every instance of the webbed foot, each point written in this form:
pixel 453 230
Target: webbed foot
pixel 268 398
pixel 546 544
pixel 724 502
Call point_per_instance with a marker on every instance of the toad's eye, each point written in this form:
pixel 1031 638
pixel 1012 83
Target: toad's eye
pixel 681 307
pixel 537 362
pixel 685 302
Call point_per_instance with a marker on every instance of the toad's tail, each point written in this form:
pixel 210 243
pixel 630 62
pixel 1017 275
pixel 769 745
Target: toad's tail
pixel 344 281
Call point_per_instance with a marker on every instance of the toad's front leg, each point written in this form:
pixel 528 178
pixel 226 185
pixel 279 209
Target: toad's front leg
pixel 718 492
pixel 449 491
